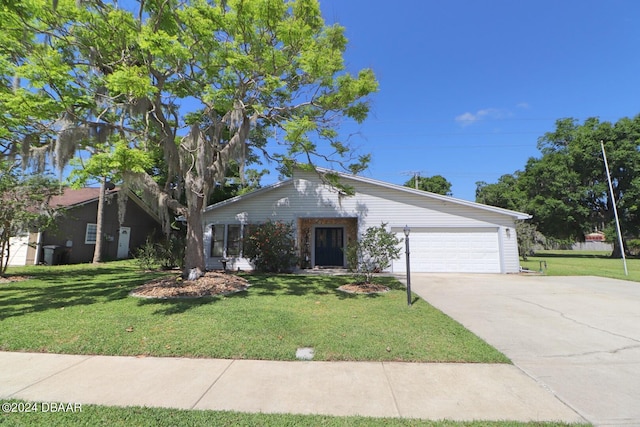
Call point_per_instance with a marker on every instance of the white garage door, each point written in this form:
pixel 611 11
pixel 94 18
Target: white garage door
pixel 451 250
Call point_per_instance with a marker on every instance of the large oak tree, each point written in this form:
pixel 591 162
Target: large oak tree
pixel 566 189
pixel 203 82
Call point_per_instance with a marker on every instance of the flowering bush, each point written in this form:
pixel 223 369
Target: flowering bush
pixel 271 247
pixel 374 252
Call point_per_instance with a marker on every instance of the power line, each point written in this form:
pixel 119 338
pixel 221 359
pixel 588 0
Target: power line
pixel 416 176
pixel 458 134
pixel 431 146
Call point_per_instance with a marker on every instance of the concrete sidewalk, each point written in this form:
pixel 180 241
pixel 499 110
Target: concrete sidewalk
pixel 381 389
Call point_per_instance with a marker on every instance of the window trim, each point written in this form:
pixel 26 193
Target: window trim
pixel 88 233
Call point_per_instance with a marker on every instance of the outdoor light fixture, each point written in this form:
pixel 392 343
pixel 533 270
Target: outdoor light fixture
pixel 407 230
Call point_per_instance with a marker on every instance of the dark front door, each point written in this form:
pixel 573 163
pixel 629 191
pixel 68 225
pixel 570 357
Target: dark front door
pixel 329 244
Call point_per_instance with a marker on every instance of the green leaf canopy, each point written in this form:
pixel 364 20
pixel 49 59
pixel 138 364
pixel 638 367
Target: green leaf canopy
pixel 202 82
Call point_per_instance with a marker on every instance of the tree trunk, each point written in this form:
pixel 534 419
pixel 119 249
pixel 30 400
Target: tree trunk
pixel 5 251
pixel 97 252
pixel 194 264
pixel 617 251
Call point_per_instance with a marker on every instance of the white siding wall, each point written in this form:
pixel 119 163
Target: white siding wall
pixel 372 204
pixel 18 247
pixel 509 240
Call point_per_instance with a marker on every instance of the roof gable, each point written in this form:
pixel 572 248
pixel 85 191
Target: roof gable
pixel 71 198
pixel 429 195
pixel 250 195
pixel 370 181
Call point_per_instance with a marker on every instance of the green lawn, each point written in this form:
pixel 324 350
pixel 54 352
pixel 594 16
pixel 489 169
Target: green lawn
pixel 93 415
pixel 85 309
pixel 576 263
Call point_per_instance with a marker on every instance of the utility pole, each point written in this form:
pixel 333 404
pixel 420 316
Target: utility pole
pixel 416 177
pixel 615 209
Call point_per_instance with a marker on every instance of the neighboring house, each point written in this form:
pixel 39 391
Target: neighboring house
pixel 447 234
pixel 72 238
pixel 20 253
pixel 595 241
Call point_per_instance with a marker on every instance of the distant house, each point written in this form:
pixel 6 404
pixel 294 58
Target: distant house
pixel 596 236
pixel 72 238
pixel 447 234
pixel 595 241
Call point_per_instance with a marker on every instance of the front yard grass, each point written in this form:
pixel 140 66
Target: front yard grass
pixel 579 263
pixel 94 415
pixel 86 309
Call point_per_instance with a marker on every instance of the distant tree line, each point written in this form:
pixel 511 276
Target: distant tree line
pixel 566 189
pixel 437 184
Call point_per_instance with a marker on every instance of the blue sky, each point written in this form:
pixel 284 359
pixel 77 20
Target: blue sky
pixel 468 86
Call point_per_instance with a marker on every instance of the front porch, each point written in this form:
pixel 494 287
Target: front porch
pixel 323 241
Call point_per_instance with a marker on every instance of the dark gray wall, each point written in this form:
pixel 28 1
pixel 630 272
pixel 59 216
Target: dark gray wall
pixel 72 225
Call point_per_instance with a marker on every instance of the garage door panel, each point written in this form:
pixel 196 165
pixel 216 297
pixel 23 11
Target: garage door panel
pixel 452 250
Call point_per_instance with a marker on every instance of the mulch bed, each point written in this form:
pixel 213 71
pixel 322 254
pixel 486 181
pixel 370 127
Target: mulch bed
pixel 211 284
pixel 363 288
pixel 10 279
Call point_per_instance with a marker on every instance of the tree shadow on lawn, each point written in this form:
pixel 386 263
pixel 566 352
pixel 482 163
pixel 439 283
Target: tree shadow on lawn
pixel 51 289
pixel 294 284
pixel 300 285
pixel 270 285
pixel 261 285
pixel 169 306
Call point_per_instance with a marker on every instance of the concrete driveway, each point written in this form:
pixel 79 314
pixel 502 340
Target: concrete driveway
pixel 579 336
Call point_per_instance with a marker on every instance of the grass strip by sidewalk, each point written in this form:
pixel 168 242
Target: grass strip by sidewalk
pixel 85 309
pixel 94 415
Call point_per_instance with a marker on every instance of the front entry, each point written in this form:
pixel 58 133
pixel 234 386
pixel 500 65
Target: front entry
pixel 329 245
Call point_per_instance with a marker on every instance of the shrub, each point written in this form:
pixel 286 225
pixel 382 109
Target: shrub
pixel 164 254
pixel 633 246
pixel 373 252
pixel 528 238
pixel 271 247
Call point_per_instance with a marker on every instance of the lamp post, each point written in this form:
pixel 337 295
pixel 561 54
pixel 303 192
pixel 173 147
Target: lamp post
pixel 407 230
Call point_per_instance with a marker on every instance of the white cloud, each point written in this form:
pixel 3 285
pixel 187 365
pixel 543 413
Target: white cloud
pixel 468 118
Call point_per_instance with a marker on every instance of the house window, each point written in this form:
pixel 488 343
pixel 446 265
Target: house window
pixel 217 240
pixel 234 240
pixel 226 240
pixel 90 234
